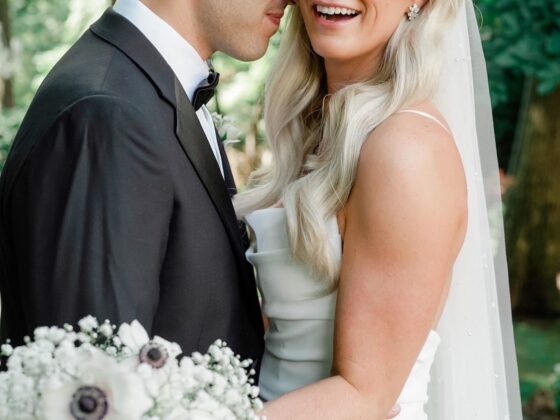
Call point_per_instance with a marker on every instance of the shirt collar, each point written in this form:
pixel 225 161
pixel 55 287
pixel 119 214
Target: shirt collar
pixel 183 59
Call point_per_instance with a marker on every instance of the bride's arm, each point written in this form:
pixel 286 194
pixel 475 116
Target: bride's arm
pixel 405 223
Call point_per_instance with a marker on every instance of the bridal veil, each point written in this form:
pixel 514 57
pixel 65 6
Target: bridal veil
pixel 475 371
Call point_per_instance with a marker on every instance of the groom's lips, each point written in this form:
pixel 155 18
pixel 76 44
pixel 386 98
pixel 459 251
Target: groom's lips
pixel 275 17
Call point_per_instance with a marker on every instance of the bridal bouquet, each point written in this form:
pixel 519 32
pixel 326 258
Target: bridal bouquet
pixel 101 372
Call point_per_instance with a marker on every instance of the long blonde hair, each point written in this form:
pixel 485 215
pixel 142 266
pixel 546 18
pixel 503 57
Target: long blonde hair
pixel 315 143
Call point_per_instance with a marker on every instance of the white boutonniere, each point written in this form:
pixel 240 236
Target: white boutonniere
pixel 227 129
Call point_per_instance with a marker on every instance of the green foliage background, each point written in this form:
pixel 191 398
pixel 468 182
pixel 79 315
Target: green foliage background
pixel 521 40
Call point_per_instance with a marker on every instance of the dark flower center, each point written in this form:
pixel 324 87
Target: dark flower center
pixel 154 354
pixel 89 403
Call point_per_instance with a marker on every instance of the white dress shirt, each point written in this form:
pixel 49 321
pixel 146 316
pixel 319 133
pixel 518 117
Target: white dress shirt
pixel 183 59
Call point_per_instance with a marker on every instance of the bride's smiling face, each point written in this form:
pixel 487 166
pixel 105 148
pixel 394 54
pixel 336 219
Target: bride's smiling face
pixel 346 30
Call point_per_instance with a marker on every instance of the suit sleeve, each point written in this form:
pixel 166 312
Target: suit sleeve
pixel 98 200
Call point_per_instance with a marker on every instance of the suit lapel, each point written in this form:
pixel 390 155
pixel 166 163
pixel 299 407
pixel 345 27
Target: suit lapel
pixel 195 145
pixel 118 31
pixel 230 183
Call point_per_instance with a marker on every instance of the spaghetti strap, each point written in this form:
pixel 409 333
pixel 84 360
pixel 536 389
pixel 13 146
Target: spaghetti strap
pixel 426 115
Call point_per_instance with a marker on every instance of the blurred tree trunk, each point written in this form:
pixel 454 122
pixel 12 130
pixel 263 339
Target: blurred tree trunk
pixel 8 94
pixel 532 220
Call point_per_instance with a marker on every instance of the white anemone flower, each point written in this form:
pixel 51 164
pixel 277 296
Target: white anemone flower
pixel 102 389
pixel 155 352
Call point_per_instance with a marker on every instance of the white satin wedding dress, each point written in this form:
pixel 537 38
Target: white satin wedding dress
pixel 301 309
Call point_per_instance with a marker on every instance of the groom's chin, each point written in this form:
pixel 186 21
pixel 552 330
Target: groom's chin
pixel 254 55
pixel 249 52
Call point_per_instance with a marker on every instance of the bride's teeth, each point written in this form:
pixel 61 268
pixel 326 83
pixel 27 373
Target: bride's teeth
pixel 335 11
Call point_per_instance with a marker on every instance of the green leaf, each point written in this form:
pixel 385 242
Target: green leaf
pixel 547 86
pixel 552 43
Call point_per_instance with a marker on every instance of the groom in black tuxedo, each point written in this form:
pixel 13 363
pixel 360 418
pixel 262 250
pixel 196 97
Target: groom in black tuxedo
pixel 115 199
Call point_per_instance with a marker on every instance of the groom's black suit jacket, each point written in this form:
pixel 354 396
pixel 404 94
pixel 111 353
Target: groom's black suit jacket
pixel 112 204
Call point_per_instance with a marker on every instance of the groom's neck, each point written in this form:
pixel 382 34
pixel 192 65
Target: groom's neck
pixel 181 16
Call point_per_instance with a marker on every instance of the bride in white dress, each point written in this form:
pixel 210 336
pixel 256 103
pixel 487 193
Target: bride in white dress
pixel 300 309
pixel 357 224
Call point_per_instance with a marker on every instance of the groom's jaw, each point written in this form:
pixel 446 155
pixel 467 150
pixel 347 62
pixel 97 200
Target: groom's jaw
pixel 239 28
pixel 250 25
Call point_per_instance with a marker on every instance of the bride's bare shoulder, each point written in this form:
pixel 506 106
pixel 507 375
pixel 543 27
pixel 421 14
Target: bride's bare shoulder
pixel 410 162
pixel 415 137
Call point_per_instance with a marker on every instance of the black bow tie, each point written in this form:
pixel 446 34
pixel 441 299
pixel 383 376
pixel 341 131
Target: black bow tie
pixel 206 90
